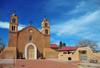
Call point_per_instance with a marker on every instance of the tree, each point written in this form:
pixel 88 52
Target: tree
pixel 62 44
pixel 87 43
pixel 2 44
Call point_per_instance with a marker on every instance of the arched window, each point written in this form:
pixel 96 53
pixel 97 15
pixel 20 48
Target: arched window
pixel 46 24
pixel 30 38
pixel 46 31
pixel 13 28
pixel 13 20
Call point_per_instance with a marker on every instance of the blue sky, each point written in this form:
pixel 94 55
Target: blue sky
pixel 70 20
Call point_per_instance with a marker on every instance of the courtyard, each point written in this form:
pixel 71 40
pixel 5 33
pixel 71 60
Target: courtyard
pixel 45 63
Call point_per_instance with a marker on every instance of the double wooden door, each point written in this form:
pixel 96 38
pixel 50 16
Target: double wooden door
pixel 31 52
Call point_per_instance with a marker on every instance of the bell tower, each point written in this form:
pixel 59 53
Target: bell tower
pixel 45 26
pixel 13 23
pixel 13 28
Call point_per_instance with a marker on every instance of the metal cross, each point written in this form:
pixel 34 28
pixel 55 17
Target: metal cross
pixel 14 11
pixel 31 23
pixel 44 16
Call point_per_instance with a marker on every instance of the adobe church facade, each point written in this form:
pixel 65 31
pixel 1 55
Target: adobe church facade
pixel 30 41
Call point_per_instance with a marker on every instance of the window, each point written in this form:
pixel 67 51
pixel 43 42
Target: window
pixel 13 28
pixel 30 38
pixel 46 31
pixel 69 52
pixel 13 20
pixel 64 52
pixel 46 24
pixel 83 52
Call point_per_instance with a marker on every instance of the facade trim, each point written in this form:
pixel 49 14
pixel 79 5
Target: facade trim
pixel 27 47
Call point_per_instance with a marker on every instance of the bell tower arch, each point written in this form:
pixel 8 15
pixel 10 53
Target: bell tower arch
pixel 13 28
pixel 45 26
pixel 13 23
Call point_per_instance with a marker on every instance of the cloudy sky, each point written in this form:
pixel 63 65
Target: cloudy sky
pixel 70 20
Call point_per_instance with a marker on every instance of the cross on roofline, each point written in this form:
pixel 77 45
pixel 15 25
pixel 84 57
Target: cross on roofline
pixel 44 16
pixel 31 23
pixel 14 11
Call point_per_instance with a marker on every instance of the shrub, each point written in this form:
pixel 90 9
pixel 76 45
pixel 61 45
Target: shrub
pixel 20 54
pixel 88 65
pixel 78 64
pixel 41 55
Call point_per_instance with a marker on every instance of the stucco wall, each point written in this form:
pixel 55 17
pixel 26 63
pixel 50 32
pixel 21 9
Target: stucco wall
pixel 76 56
pixel 37 39
pixel 12 39
pixel 50 53
pixel 9 53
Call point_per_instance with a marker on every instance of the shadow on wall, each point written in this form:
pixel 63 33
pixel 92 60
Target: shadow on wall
pixel 38 54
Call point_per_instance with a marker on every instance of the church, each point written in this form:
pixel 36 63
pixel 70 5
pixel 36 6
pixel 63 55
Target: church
pixel 30 41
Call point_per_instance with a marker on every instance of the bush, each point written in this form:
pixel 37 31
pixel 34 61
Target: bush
pixel 41 55
pixel 88 65
pixel 20 54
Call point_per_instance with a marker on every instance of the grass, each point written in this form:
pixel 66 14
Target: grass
pixel 88 65
pixel 78 64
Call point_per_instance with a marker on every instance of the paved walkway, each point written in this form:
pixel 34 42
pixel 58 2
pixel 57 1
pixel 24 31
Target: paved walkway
pixel 7 62
pixel 42 63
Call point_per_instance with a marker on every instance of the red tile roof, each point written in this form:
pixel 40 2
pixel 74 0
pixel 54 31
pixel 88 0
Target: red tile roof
pixel 68 48
pixel 54 46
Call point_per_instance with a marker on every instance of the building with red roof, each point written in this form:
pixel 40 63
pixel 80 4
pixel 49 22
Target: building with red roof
pixel 78 54
pixel 67 49
pixel 54 46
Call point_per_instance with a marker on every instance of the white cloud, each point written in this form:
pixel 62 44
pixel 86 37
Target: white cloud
pixel 20 26
pixel 54 41
pixel 77 6
pixel 6 25
pixel 75 26
pixel 86 6
pixel 85 27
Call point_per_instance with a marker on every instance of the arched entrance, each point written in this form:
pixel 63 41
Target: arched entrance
pixel 30 51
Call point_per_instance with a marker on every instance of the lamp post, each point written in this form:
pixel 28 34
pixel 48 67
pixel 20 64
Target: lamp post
pixel 14 59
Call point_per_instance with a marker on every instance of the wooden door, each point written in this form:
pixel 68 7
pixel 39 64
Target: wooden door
pixel 31 52
pixel 83 58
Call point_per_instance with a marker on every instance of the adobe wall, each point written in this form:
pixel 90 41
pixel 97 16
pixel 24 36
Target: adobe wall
pixel 50 53
pixel 9 53
pixel 38 39
pixel 76 56
pixel 12 39
pixel 46 41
